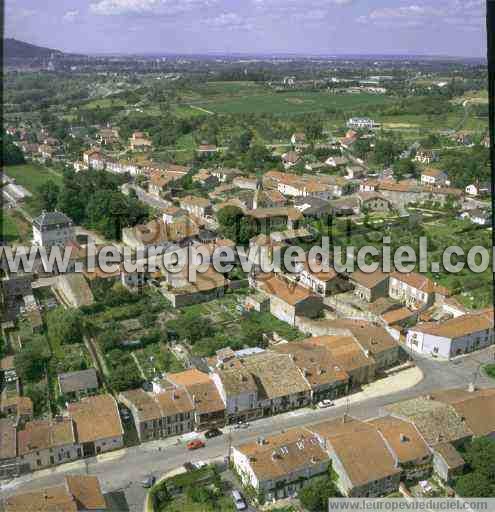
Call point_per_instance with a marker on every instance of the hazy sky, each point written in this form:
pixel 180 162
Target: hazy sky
pixel 443 27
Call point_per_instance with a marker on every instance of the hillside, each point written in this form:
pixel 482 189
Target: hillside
pixel 14 49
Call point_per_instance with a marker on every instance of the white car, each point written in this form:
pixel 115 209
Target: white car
pixel 239 502
pixel 325 403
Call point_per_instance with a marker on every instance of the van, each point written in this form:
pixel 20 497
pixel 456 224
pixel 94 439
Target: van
pixel 239 502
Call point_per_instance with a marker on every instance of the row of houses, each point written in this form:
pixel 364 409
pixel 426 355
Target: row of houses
pixel 91 426
pixel 410 440
pixel 252 383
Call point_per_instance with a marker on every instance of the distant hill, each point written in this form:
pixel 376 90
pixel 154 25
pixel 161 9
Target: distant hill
pixel 14 49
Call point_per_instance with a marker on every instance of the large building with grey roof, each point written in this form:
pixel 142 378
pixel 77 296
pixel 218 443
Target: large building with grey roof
pixel 53 229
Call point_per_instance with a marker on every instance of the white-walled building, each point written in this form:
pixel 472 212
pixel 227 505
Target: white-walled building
pixel 53 229
pixel 361 123
pixel 453 337
pixel 280 465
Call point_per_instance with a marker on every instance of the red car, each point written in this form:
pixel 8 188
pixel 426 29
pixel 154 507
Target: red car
pixel 195 444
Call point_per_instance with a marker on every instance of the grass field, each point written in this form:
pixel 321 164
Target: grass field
pixel 14 227
pixel 287 102
pixel 31 176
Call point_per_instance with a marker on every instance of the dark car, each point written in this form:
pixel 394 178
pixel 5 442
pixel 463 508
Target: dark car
pixel 149 482
pixel 188 466
pixel 213 432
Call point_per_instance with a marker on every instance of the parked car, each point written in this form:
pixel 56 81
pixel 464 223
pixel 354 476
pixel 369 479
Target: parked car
pixel 195 444
pixel 148 482
pixel 325 403
pixel 213 432
pixel 241 424
pixel 189 466
pixel 239 502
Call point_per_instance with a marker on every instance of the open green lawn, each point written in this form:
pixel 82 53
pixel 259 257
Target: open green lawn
pixel 31 176
pixel 14 227
pixel 288 102
pixel 105 103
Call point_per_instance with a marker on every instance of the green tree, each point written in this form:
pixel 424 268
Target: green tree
pixel 48 193
pixel 38 393
pixel 31 361
pixel 65 326
pixel 314 496
pixel 229 219
pixel 405 167
pixel 475 485
pixel 12 155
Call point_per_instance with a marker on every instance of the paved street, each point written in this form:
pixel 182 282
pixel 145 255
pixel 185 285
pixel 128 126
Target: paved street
pixel 123 470
pixel 146 198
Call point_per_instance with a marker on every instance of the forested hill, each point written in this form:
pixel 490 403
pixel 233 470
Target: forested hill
pixel 14 49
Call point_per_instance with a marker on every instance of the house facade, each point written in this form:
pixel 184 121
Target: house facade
pixel 53 229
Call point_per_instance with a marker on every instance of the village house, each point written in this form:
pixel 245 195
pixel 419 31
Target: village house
pixel 108 136
pixel 281 384
pixel 197 206
pixel 373 202
pixel 478 216
pixel 280 218
pixel 453 337
pixel 245 183
pixel 236 386
pixel 97 423
pixel 209 285
pixel 209 408
pixel 205 178
pixel 79 166
pixel 478 189
pixel 327 380
pixel 295 186
pixel 158 234
pixel 278 466
pixel 288 300
pixel 364 463
pixel 410 451
pixel 349 356
pixel 47 152
pixel 224 174
pixel 9 466
pixel 53 229
pixel 350 138
pixel 298 138
pixel 168 412
pixel 78 493
pixel 320 282
pixel 415 290
pixel 373 339
pixel 361 123
pixel 437 422
pixel 369 286
pixel 313 207
pixel 94 159
pixel 290 159
pixel 434 178
pixel 447 462
pixel 173 214
pixel 426 156
pixel 76 384
pixel 139 142
pixel 336 161
pixel 345 206
pixel 45 443
pixel 207 150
